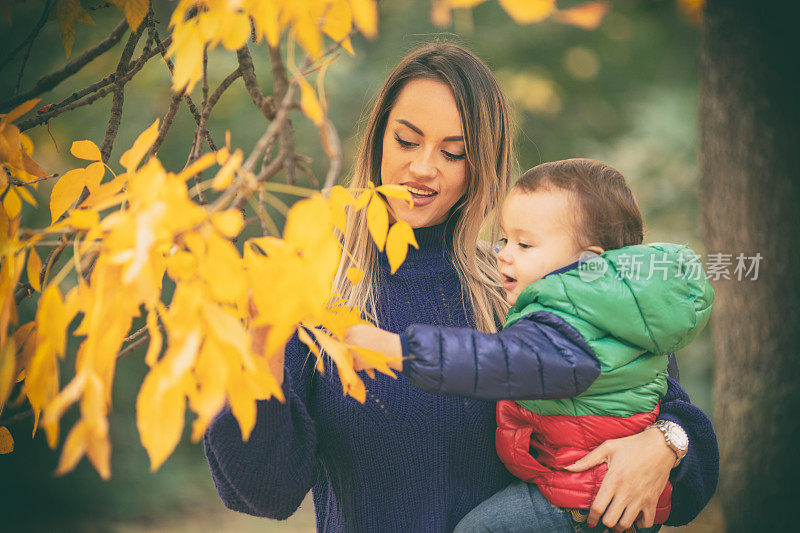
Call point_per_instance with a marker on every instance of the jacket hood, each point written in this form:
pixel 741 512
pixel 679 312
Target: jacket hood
pixel 655 296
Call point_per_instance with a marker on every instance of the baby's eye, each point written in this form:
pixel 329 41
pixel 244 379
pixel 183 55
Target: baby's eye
pixel 525 246
pixel 403 143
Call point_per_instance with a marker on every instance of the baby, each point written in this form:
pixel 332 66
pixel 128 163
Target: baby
pixel 581 287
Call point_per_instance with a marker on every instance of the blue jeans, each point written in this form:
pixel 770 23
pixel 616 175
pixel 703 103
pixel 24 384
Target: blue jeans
pixel 519 508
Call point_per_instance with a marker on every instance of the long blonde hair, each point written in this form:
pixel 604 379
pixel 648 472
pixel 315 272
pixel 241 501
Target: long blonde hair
pixel 486 124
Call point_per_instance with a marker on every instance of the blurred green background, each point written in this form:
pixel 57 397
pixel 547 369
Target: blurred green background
pixel 624 93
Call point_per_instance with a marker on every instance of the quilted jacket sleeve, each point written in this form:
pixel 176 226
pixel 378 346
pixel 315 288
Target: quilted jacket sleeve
pixel 538 357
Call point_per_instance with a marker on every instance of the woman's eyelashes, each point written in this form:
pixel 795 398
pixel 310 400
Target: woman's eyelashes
pixel 408 145
pixel 403 143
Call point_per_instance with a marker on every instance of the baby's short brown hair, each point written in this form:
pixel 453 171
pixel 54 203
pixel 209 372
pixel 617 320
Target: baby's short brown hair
pixel 607 214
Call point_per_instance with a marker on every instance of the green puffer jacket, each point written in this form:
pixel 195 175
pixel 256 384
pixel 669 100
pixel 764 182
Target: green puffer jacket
pixel 634 306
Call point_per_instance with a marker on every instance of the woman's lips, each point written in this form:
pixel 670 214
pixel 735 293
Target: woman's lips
pixel 422 194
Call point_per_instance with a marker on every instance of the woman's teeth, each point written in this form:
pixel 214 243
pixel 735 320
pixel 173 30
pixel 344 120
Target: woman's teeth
pixel 419 192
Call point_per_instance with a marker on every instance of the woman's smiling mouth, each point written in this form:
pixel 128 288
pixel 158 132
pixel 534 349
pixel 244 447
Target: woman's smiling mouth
pixel 422 194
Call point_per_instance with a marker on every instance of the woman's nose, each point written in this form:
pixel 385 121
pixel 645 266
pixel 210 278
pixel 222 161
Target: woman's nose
pixel 422 165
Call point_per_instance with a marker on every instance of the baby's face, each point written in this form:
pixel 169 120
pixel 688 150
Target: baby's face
pixel 537 238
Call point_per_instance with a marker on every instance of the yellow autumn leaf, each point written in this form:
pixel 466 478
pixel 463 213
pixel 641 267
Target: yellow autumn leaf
pixel 196 167
pixel 161 402
pixel 338 352
pixel 66 190
pixel 338 198
pixel 154 347
pixel 130 158
pixel 337 23
pixel 85 150
pixel 400 237
pixel 587 16
pixel 25 195
pixel 224 177
pixel 464 4
pixel 34 267
pixel 243 405
pixel 69 12
pixel 6 441
pixel 377 221
pixel 8 365
pixel 265 16
pixel 396 191
pixel 365 15
pixel 74 448
pixel 229 222
pixel 354 275
pixel 235 30
pixel 12 203
pixel 309 103
pixel 83 219
pixel 527 11
pixel 374 359
pixel 134 11
pixel 18 111
pixel 25 341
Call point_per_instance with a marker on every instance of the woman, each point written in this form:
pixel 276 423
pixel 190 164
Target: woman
pixel 407 460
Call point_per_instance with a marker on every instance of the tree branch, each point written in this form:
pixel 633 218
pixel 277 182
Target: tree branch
pixel 50 81
pixel 265 103
pixel 119 95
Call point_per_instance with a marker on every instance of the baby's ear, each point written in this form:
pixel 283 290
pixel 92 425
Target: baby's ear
pixel 596 249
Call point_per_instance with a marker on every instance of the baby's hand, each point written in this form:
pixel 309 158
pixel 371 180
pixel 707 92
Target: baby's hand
pixel 366 336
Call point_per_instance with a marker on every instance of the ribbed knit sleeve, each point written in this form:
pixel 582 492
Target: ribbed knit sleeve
pixel 694 481
pixel 270 474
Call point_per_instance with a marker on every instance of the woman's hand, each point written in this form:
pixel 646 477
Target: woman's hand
pixel 366 336
pixel 638 471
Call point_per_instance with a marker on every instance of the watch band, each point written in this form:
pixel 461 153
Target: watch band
pixel 675 437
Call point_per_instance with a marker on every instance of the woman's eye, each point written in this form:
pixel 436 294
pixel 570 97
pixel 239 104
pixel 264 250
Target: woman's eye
pixel 452 157
pixel 403 143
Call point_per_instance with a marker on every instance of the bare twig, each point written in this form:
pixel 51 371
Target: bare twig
pixel 50 81
pixel 31 39
pixel 189 102
pixel 166 123
pixel 223 86
pixel 333 147
pixel 100 89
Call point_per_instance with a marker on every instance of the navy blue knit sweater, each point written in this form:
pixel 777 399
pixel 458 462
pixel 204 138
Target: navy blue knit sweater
pixel 405 460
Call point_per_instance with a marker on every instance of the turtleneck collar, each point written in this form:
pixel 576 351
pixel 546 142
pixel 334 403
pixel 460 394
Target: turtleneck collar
pixel 434 243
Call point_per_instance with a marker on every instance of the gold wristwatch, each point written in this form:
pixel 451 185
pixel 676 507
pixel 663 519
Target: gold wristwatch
pixel 675 436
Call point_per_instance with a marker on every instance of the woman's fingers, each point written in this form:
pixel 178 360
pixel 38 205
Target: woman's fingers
pixel 628 517
pixel 647 517
pixel 593 458
pixel 613 512
pixel 599 505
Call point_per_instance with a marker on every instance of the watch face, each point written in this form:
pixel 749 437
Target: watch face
pixel 678 437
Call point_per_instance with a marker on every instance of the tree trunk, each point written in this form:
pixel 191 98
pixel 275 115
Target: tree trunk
pixel 749 121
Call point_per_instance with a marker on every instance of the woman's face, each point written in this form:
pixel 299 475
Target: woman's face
pixel 423 150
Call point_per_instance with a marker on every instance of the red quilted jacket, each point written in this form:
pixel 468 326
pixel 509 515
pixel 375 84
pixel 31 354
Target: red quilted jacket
pixel 536 448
